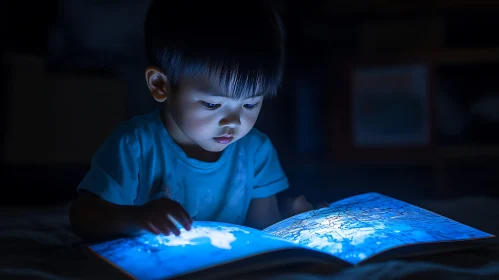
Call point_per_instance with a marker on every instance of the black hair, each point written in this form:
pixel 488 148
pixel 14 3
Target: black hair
pixel 239 45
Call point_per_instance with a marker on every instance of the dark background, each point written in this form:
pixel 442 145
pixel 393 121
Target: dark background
pixel 74 69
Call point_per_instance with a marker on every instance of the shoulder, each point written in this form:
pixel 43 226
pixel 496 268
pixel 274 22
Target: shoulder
pixel 136 131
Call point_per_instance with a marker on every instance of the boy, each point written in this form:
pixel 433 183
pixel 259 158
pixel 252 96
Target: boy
pixel 212 65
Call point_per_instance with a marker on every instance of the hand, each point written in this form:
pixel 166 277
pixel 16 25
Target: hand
pixel 156 216
pixel 300 205
pixel 322 204
pixel 296 206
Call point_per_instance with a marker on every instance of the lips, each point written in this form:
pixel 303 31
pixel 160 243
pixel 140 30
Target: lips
pixel 223 139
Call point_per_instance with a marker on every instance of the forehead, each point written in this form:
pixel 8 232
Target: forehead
pixel 216 86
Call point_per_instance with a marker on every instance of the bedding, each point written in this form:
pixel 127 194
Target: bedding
pixel 37 243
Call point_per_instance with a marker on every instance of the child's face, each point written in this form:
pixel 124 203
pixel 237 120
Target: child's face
pixel 204 118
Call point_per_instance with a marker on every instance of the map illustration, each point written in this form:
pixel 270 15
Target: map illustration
pixel 352 229
pixel 207 244
pixel 361 226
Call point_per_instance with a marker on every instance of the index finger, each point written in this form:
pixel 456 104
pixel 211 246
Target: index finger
pixel 181 219
pixel 184 218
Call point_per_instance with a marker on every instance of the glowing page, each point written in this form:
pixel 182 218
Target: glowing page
pixel 206 245
pixel 362 226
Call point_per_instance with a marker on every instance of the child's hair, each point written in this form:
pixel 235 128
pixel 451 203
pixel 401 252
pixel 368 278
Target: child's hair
pixel 238 45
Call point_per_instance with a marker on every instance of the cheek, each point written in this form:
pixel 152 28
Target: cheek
pixel 250 118
pixel 197 120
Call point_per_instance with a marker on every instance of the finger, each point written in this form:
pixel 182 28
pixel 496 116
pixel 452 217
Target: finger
pixel 170 223
pixel 185 214
pixel 185 220
pixel 164 226
pixel 302 200
pixel 153 229
pixel 182 222
pixel 300 204
pixel 183 217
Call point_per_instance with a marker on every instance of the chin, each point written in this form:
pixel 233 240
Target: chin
pixel 215 149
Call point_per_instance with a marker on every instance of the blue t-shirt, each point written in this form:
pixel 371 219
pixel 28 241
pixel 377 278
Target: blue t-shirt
pixel 140 162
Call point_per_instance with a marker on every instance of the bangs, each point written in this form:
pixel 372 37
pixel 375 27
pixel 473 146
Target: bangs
pixel 241 53
pixel 233 80
pixel 239 70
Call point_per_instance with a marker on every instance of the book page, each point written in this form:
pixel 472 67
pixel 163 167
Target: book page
pixel 357 228
pixel 206 245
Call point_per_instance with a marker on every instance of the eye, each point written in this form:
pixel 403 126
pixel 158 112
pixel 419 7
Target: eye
pixel 251 106
pixel 210 106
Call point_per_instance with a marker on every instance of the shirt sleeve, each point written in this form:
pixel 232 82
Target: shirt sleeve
pixel 270 179
pixel 114 170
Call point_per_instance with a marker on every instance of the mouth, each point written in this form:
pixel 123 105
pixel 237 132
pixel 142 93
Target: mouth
pixel 226 139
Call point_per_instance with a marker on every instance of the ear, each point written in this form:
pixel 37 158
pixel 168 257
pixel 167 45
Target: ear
pixel 158 84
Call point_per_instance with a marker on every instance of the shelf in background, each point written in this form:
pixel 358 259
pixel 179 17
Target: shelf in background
pixel 451 56
pixel 437 57
pixel 447 153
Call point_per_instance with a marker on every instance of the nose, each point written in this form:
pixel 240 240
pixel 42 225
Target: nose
pixel 231 120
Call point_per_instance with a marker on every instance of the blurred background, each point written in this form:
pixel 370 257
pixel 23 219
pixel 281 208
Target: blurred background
pixel 398 97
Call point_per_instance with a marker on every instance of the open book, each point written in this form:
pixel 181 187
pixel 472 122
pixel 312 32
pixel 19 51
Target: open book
pixel 348 232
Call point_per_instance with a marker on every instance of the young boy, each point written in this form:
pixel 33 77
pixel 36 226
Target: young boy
pixel 212 65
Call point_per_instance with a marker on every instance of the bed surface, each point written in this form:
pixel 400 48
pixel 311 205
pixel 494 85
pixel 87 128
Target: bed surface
pixel 37 243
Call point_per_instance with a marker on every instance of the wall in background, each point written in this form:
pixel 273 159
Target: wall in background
pixel 320 37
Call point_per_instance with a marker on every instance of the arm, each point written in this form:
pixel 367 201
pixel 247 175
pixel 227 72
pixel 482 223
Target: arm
pixel 263 212
pixel 264 209
pixel 94 218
